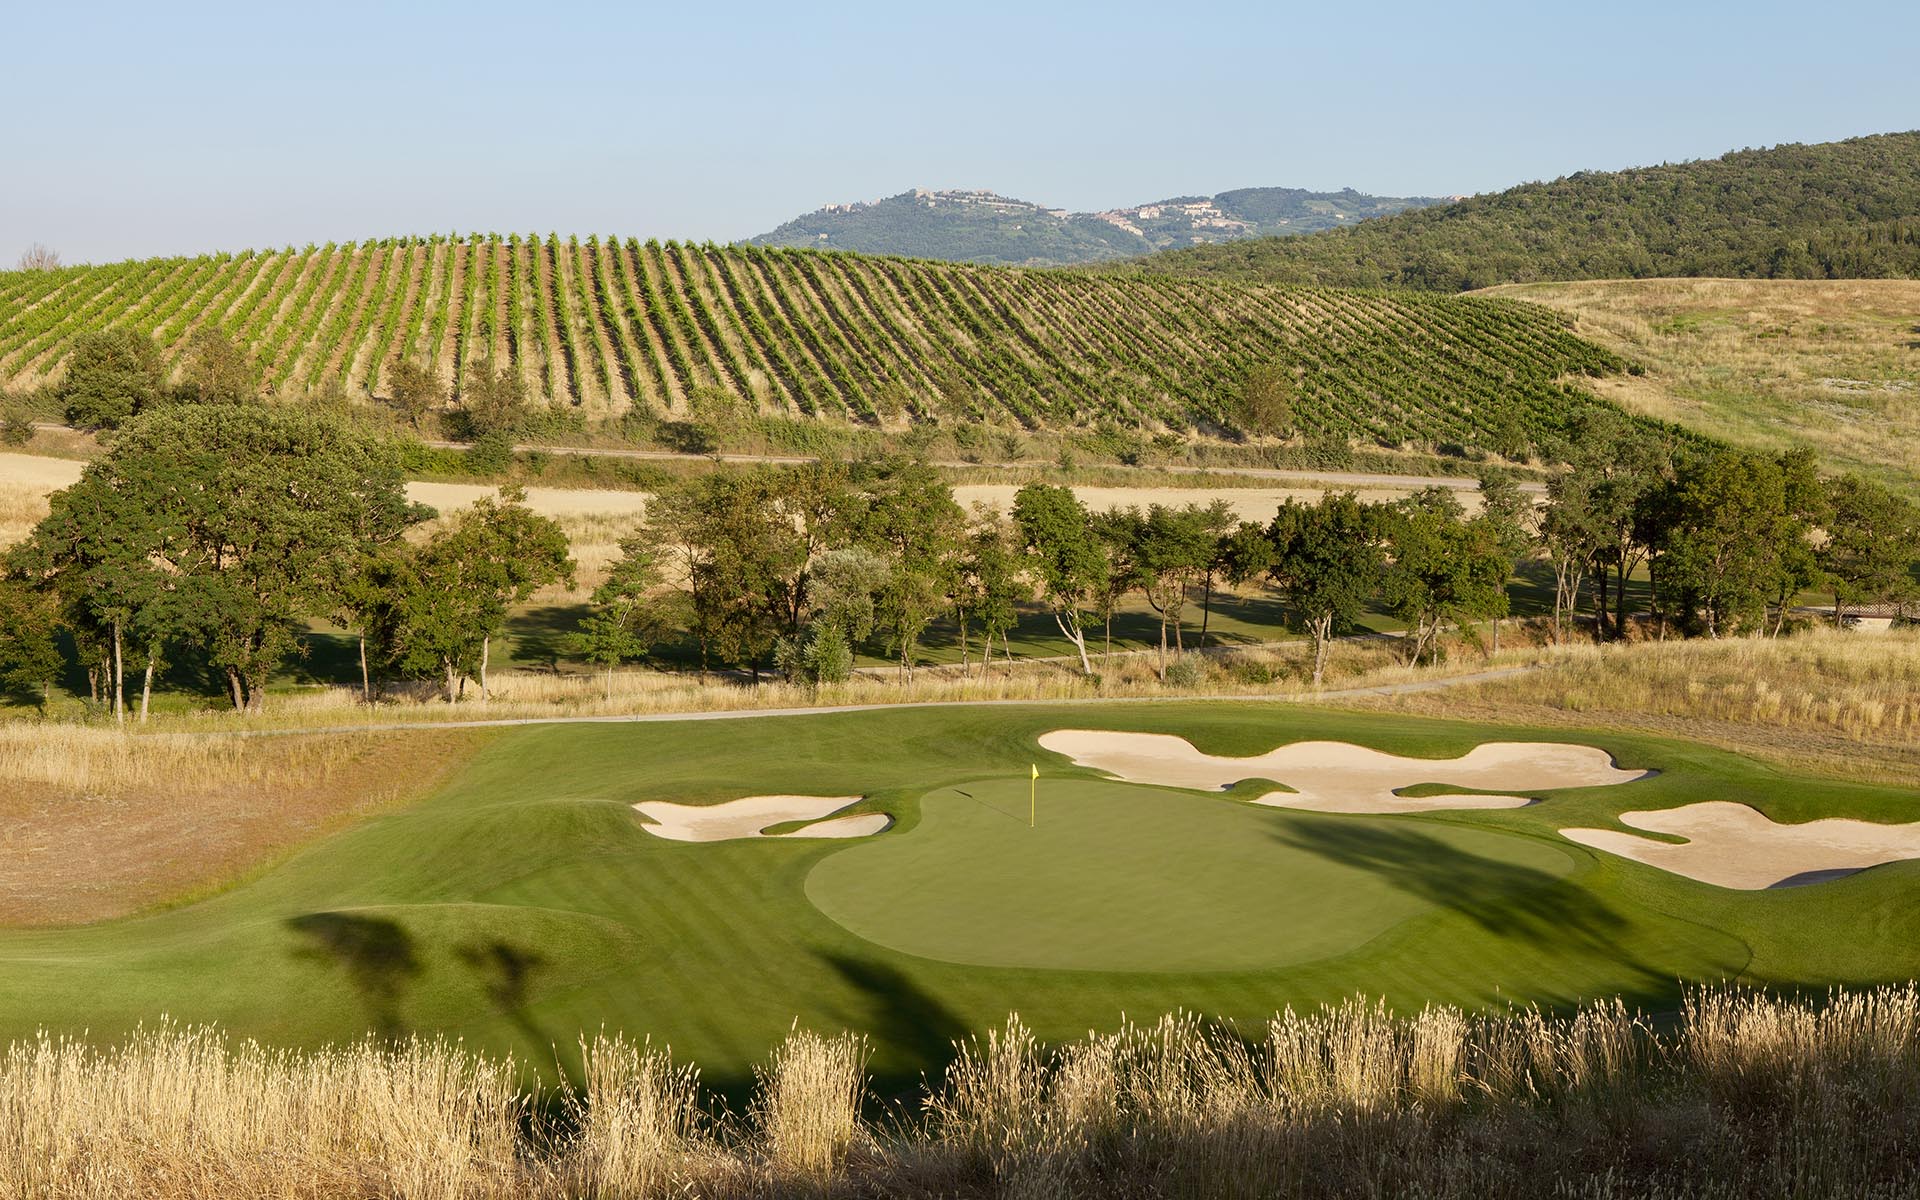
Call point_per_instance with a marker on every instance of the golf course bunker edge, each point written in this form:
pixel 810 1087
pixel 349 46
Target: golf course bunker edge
pixel 1340 777
pixel 1736 846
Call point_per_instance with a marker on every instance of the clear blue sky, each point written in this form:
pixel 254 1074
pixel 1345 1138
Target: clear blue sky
pixel 144 129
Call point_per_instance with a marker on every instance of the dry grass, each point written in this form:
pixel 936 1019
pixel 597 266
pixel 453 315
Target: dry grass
pixel 22 506
pixel 1829 364
pixel 1744 1095
pixel 1839 702
pixel 95 823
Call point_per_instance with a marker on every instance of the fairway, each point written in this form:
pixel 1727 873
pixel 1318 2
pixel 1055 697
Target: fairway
pixel 1116 877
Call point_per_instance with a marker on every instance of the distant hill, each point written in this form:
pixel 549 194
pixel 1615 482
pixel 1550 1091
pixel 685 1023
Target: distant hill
pixel 612 326
pixel 976 226
pixel 1837 210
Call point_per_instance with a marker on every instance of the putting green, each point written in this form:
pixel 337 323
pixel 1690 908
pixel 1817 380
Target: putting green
pixel 1120 877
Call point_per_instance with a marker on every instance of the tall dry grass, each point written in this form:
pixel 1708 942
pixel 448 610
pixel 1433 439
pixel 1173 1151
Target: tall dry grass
pixel 1740 1094
pixel 1839 701
pixel 96 760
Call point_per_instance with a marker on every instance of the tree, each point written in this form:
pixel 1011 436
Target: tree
pixel 911 516
pixel 38 257
pixel 1063 555
pixel 743 560
pixel 1442 567
pixel 989 588
pixel 1512 520
pixel 256 514
pixel 112 375
pixel 1872 541
pixel 417 389
pixel 1265 402
pixel 1327 563
pixel 218 370
pixel 1729 547
pixel 29 658
pixel 456 591
pixel 1176 547
pixel 1117 536
pixel 494 400
pixel 627 614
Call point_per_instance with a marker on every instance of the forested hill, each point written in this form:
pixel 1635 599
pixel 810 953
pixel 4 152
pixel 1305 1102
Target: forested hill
pixel 976 226
pixel 610 325
pixel 1836 210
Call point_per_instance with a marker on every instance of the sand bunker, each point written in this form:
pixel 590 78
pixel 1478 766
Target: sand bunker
pixel 1734 846
pixel 748 816
pixel 1344 778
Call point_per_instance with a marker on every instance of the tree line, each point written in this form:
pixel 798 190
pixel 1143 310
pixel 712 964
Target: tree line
pixel 217 534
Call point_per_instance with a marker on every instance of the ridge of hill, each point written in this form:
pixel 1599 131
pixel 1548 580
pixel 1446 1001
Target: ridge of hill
pixel 608 326
pixel 1833 210
pixel 982 226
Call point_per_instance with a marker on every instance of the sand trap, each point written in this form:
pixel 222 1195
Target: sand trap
pixel 749 815
pixel 1344 778
pixel 1734 846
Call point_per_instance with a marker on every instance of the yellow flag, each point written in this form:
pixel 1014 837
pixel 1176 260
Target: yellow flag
pixel 1036 769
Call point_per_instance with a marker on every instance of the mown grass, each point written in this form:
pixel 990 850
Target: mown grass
pixel 522 904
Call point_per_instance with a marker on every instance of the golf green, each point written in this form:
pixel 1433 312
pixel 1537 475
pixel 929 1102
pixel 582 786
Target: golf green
pixel 1118 877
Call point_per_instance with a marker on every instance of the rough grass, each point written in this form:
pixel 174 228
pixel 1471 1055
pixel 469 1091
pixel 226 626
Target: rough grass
pixel 97 824
pixel 1829 364
pixel 1744 1096
pixel 1843 703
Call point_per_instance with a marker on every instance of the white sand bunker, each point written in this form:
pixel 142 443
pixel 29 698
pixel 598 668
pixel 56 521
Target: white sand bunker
pixel 1734 846
pixel 1344 778
pixel 749 816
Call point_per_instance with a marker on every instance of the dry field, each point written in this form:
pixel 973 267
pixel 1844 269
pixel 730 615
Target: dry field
pixel 1839 703
pixel 1831 364
pixel 1745 1096
pixel 96 824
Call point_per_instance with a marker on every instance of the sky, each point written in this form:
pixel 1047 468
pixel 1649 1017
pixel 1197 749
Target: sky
pixel 139 129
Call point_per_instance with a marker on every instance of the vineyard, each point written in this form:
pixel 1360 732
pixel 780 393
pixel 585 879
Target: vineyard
pixel 609 325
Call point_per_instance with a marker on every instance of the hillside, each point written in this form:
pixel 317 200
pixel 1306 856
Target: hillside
pixel 1836 210
pixel 978 226
pixel 1831 364
pixel 608 326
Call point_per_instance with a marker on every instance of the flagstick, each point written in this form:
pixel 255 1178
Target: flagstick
pixel 1033 799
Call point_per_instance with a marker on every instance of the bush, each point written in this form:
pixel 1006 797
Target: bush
pixel 490 453
pixel 1187 671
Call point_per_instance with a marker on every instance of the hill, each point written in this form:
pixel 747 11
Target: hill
pixel 1836 210
pixel 1831 364
pixel 612 326
pixel 978 226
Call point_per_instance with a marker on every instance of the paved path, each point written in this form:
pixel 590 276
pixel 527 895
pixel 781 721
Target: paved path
pixel 741 714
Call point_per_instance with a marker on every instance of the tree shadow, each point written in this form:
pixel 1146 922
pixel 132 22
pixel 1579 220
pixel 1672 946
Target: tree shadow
pixel 906 1022
pixel 505 972
pixel 376 954
pixel 1507 899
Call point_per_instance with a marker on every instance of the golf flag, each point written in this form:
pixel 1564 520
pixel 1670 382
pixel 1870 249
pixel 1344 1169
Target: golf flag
pixel 1036 770
pixel 1033 795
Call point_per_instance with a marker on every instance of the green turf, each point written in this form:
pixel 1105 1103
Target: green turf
pixel 1125 878
pixel 523 903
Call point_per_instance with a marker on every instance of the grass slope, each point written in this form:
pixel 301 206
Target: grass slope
pixel 1830 364
pixel 523 903
pixel 1836 210
pixel 620 327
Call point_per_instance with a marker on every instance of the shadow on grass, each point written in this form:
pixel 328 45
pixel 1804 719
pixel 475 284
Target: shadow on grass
pixel 911 1029
pixel 376 954
pixel 1506 899
pixel 505 972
